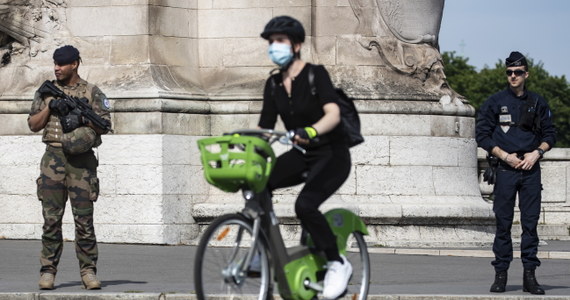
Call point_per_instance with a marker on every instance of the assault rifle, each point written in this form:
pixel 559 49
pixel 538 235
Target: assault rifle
pixel 71 108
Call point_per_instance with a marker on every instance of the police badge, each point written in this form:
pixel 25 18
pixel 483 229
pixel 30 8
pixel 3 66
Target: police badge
pixel 505 119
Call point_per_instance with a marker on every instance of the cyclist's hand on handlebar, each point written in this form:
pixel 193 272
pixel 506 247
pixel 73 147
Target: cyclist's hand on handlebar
pixel 304 135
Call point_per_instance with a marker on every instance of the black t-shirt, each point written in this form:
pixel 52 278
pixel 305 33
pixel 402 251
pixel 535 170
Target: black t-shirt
pixel 302 109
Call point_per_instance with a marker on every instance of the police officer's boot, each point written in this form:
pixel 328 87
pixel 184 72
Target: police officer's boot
pixel 500 282
pixel 530 284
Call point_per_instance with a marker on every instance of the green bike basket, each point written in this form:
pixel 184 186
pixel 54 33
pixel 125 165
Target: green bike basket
pixel 232 162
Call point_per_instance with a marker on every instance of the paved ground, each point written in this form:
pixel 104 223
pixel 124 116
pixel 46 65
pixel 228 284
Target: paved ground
pixel 165 272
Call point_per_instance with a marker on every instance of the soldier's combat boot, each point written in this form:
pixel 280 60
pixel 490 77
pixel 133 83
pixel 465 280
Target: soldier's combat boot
pixel 90 281
pixel 47 281
pixel 530 285
pixel 500 282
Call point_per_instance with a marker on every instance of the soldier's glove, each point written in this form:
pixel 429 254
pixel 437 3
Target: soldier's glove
pixel 71 121
pixel 59 107
pixel 307 133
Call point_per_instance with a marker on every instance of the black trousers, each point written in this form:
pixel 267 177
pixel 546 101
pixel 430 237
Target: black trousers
pixel 528 186
pixel 323 170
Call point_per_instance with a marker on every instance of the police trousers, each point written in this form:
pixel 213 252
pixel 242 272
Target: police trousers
pixel 63 176
pixel 527 184
pixel 323 170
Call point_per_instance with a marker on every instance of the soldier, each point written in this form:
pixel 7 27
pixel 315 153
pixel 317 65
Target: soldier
pixel 68 168
pixel 515 125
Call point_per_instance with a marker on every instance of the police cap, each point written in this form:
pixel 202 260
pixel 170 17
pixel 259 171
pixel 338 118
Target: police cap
pixel 516 59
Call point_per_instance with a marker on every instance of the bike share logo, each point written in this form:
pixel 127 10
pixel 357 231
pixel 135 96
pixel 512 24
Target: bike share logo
pixel 338 220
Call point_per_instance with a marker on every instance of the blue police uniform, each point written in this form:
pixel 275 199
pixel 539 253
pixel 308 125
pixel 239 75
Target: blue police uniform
pixel 499 124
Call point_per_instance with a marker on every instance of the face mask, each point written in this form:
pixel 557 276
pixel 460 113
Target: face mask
pixel 280 54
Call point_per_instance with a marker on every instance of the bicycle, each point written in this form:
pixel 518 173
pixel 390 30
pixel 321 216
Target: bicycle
pixel 241 253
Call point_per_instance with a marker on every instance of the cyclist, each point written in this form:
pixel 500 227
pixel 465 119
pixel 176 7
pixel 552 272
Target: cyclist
pixel 314 118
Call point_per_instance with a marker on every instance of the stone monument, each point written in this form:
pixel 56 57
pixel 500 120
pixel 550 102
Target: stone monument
pixel 180 70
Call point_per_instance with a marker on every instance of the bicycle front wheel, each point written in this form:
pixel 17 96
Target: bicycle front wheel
pixel 357 255
pixel 219 267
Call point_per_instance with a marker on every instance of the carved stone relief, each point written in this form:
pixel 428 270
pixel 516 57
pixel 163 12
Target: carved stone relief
pixel 405 35
pixel 28 27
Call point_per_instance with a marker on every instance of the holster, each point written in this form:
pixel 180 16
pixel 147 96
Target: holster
pixel 490 174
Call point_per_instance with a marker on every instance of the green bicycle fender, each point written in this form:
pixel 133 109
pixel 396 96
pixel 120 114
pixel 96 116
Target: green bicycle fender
pixel 344 222
pixel 297 271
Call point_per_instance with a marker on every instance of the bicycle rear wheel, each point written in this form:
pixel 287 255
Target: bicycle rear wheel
pixel 221 254
pixel 357 255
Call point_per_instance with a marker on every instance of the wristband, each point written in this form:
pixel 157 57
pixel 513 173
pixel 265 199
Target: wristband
pixel 306 133
pixel 311 132
pixel 540 151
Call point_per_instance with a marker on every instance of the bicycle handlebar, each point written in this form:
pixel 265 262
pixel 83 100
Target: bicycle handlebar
pixel 283 137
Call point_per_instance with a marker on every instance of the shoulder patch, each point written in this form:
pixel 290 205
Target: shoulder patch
pixel 106 103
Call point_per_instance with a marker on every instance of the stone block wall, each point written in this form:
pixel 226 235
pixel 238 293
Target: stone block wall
pixel 179 70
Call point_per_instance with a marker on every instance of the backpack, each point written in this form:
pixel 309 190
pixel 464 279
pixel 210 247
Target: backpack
pixel 349 118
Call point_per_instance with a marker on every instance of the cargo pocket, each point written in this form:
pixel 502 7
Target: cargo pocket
pixel 39 182
pixel 94 189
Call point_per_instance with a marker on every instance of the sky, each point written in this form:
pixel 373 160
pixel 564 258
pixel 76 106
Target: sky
pixel 486 31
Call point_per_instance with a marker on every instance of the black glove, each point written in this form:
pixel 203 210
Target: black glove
pixel 59 107
pixel 306 133
pixel 490 175
pixel 71 121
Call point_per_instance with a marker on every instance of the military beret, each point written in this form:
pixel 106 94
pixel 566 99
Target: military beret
pixel 66 55
pixel 516 59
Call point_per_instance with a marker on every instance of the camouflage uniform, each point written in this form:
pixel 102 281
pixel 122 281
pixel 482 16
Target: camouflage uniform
pixel 74 175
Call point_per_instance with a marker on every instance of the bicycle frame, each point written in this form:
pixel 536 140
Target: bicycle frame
pixel 296 268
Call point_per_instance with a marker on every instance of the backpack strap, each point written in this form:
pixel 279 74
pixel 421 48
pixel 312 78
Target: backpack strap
pixel 311 76
pixel 273 81
pixel 273 86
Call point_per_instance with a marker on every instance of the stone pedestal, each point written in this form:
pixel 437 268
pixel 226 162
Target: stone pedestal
pixel 180 70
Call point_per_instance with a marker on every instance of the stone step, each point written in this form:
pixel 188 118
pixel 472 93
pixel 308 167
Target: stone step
pixel 547 231
pixel 394 234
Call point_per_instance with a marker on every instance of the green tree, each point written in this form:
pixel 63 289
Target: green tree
pixel 477 86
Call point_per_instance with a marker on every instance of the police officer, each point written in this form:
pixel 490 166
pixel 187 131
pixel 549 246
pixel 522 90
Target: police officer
pixel 68 168
pixel 515 125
